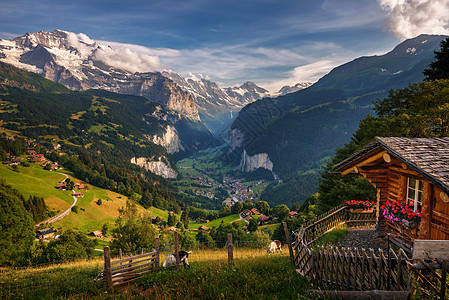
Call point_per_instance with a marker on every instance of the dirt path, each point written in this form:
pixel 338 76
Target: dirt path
pixel 363 237
pixel 63 214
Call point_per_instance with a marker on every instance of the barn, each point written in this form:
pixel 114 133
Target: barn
pixel 407 172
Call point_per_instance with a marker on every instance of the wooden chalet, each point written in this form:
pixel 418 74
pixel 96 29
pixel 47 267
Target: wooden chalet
pixel 412 170
pixel 203 228
pixel 97 234
pixel 45 233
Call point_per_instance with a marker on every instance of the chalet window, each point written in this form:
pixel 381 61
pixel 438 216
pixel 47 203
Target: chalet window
pixel 414 193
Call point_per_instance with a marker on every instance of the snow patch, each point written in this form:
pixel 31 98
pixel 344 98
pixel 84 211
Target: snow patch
pixel 411 50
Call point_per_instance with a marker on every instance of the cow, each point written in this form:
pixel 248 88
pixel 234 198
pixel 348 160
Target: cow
pixel 170 261
pixel 274 246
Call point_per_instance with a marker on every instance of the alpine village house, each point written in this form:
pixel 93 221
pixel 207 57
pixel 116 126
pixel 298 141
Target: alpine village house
pixel 414 171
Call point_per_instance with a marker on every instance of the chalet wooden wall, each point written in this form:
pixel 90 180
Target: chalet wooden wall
pixel 439 216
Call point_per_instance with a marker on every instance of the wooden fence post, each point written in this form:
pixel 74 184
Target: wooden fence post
pixel 120 255
pixel 156 258
pixel 177 250
pixel 289 243
pixel 230 249
pixel 107 266
pixel 443 279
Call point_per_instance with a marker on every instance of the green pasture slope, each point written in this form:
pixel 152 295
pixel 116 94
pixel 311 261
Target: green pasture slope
pixel 34 180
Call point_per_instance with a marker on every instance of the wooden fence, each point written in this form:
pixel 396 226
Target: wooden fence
pixel 126 270
pixel 360 269
pixel 347 268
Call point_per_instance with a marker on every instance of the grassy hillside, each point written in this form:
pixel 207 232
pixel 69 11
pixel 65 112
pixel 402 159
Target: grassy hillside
pixel 34 180
pixel 210 277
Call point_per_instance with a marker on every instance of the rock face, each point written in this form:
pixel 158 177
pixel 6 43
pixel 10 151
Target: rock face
pixel 250 163
pixel 217 107
pixel 158 167
pixel 237 140
pixel 169 139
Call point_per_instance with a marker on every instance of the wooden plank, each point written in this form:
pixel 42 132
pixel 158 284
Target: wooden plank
pixel 107 266
pixel 135 262
pixel 441 215
pixel 287 237
pixel 133 266
pixel 443 280
pixel 426 210
pixel 431 249
pixel 230 249
pixel 440 228
pixel 115 262
pixel 178 262
pixel 365 162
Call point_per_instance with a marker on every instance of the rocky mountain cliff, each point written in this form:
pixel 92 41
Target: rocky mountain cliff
pixel 80 63
pixel 217 106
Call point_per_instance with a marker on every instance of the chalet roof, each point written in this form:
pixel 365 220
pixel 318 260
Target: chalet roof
pixel 202 227
pixel 429 157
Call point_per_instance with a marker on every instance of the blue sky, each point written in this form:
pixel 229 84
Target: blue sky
pixel 269 42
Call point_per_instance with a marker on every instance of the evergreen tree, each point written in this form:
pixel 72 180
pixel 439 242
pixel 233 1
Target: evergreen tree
pixel 439 69
pixel 16 225
pixel 171 219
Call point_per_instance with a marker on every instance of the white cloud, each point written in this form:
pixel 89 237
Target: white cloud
pixel 409 18
pixel 127 59
pixel 306 73
pixel 131 58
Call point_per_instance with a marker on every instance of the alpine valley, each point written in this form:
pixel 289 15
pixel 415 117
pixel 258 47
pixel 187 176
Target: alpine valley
pixel 152 119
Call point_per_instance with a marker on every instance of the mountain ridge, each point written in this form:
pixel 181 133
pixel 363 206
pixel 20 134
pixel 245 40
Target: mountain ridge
pixel 298 132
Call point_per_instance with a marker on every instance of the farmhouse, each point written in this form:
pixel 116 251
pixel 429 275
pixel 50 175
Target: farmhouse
pixel 45 233
pixel 203 228
pixel 97 234
pixel 61 186
pixel 255 211
pixel 411 171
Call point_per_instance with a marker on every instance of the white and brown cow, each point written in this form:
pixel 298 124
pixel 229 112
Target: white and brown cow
pixel 170 261
pixel 274 246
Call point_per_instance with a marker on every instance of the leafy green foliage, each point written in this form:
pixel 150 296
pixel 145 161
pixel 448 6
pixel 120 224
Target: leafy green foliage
pixel 204 237
pixel 237 208
pixel 70 246
pixel 281 211
pixel 263 207
pixel 16 225
pixel 220 234
pixel 133 231
pixel 253 225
